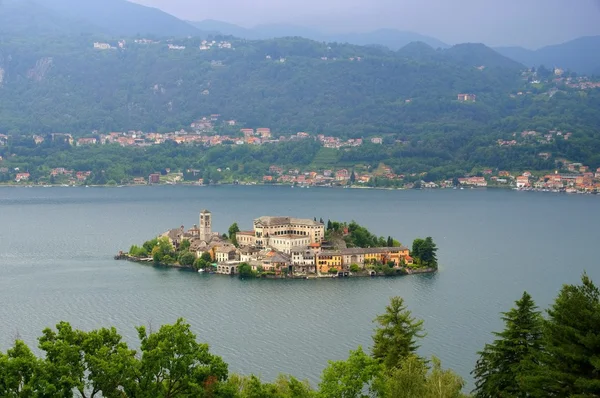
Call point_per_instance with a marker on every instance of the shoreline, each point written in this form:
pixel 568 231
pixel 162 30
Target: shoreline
pixel 404 272
pixel 503 188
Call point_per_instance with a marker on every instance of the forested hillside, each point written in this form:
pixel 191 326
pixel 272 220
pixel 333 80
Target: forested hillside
pixel 290 85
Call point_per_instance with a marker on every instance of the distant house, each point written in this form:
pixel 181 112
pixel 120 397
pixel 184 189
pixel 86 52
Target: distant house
pixel 342 175
pixel 154 178
pixel 86 141
pixel 264 132
pixel 102 46
pixel 377 140
pixel 466 97
pixel 522 182
pixel 22 177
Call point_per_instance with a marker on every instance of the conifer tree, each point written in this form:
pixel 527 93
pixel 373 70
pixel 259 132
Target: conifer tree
pixel 570 361
pixel 397 334
pixel 501 364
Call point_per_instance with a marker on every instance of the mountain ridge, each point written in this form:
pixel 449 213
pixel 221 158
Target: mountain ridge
pixel 391 38
pixel 113 17
pixel 581 55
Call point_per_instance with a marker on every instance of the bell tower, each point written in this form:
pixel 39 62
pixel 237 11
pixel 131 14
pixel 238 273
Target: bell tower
pixel 205 225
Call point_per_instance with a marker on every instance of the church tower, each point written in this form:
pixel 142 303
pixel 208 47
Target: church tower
pixel 205 226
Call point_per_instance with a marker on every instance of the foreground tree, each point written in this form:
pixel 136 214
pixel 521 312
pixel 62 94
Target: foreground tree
pixel 22 374
pixel 412 379
pixel 350 378
pixel 282 387
pixel 396 336
pixel 499 370
pixel 174 364
pixel 92 363
pixel 570 362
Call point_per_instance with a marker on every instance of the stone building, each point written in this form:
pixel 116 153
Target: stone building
pixel 205 225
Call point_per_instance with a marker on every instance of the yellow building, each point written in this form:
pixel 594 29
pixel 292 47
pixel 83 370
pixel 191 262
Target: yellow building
pixel 328 260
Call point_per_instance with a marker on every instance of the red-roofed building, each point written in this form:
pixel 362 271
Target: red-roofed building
pixel 22 177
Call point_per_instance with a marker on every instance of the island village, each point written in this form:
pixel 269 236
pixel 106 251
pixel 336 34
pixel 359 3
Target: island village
pixel 283 247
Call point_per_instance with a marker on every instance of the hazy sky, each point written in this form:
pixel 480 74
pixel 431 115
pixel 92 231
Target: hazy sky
pixel 529 23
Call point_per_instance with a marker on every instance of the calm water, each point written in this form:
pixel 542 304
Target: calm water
pixel 56 248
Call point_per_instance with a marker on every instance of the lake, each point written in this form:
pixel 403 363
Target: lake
pixel 57 247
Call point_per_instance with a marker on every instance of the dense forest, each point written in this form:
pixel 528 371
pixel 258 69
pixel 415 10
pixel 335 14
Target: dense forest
pixel 534 356
pixel 65 85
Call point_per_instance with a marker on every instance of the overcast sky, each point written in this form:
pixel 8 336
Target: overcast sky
pixel 529 23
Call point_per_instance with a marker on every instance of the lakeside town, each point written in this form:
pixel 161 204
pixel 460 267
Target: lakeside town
pixel 285 247
pixel 570 177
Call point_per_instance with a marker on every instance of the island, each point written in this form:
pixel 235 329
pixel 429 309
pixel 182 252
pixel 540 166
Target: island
pixel 286 247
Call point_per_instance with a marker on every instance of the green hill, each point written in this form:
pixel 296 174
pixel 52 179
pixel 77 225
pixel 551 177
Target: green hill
pixel 287 84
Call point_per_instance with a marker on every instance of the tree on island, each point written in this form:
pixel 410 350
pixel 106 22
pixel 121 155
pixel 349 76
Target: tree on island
pixel 233 230
pixel 184 245
pixel 245 271
pixel 186 259
pixel 502 364
pixel 163 252
pixel 425 251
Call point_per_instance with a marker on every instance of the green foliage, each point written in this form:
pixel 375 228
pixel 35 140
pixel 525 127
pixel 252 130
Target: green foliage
pixel 246 272
pixel 396 336
pixel 349 378
pixel 201 264
pixel 174 364
pixel 502 364
pixel 358 236
pixel 21 373
pixel 233 230
pixel 186 259
pixel 388 270
pixel 333 271
pixel 206 257
pixel 137 251
pixel 184 246
pixel 282 387
pixel 354 268
pixel 86 361
pixel 425 252
pixel 163 251
pixel 569 363
pixel 412 378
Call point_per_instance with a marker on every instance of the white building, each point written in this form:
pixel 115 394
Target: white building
pixel 102 46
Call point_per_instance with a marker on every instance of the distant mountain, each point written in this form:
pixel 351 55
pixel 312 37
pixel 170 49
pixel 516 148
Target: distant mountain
pixel 419 51
pixel 477 54
pixel 580 55
pixel 28 18
pixel 68 17
pixel 391 38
